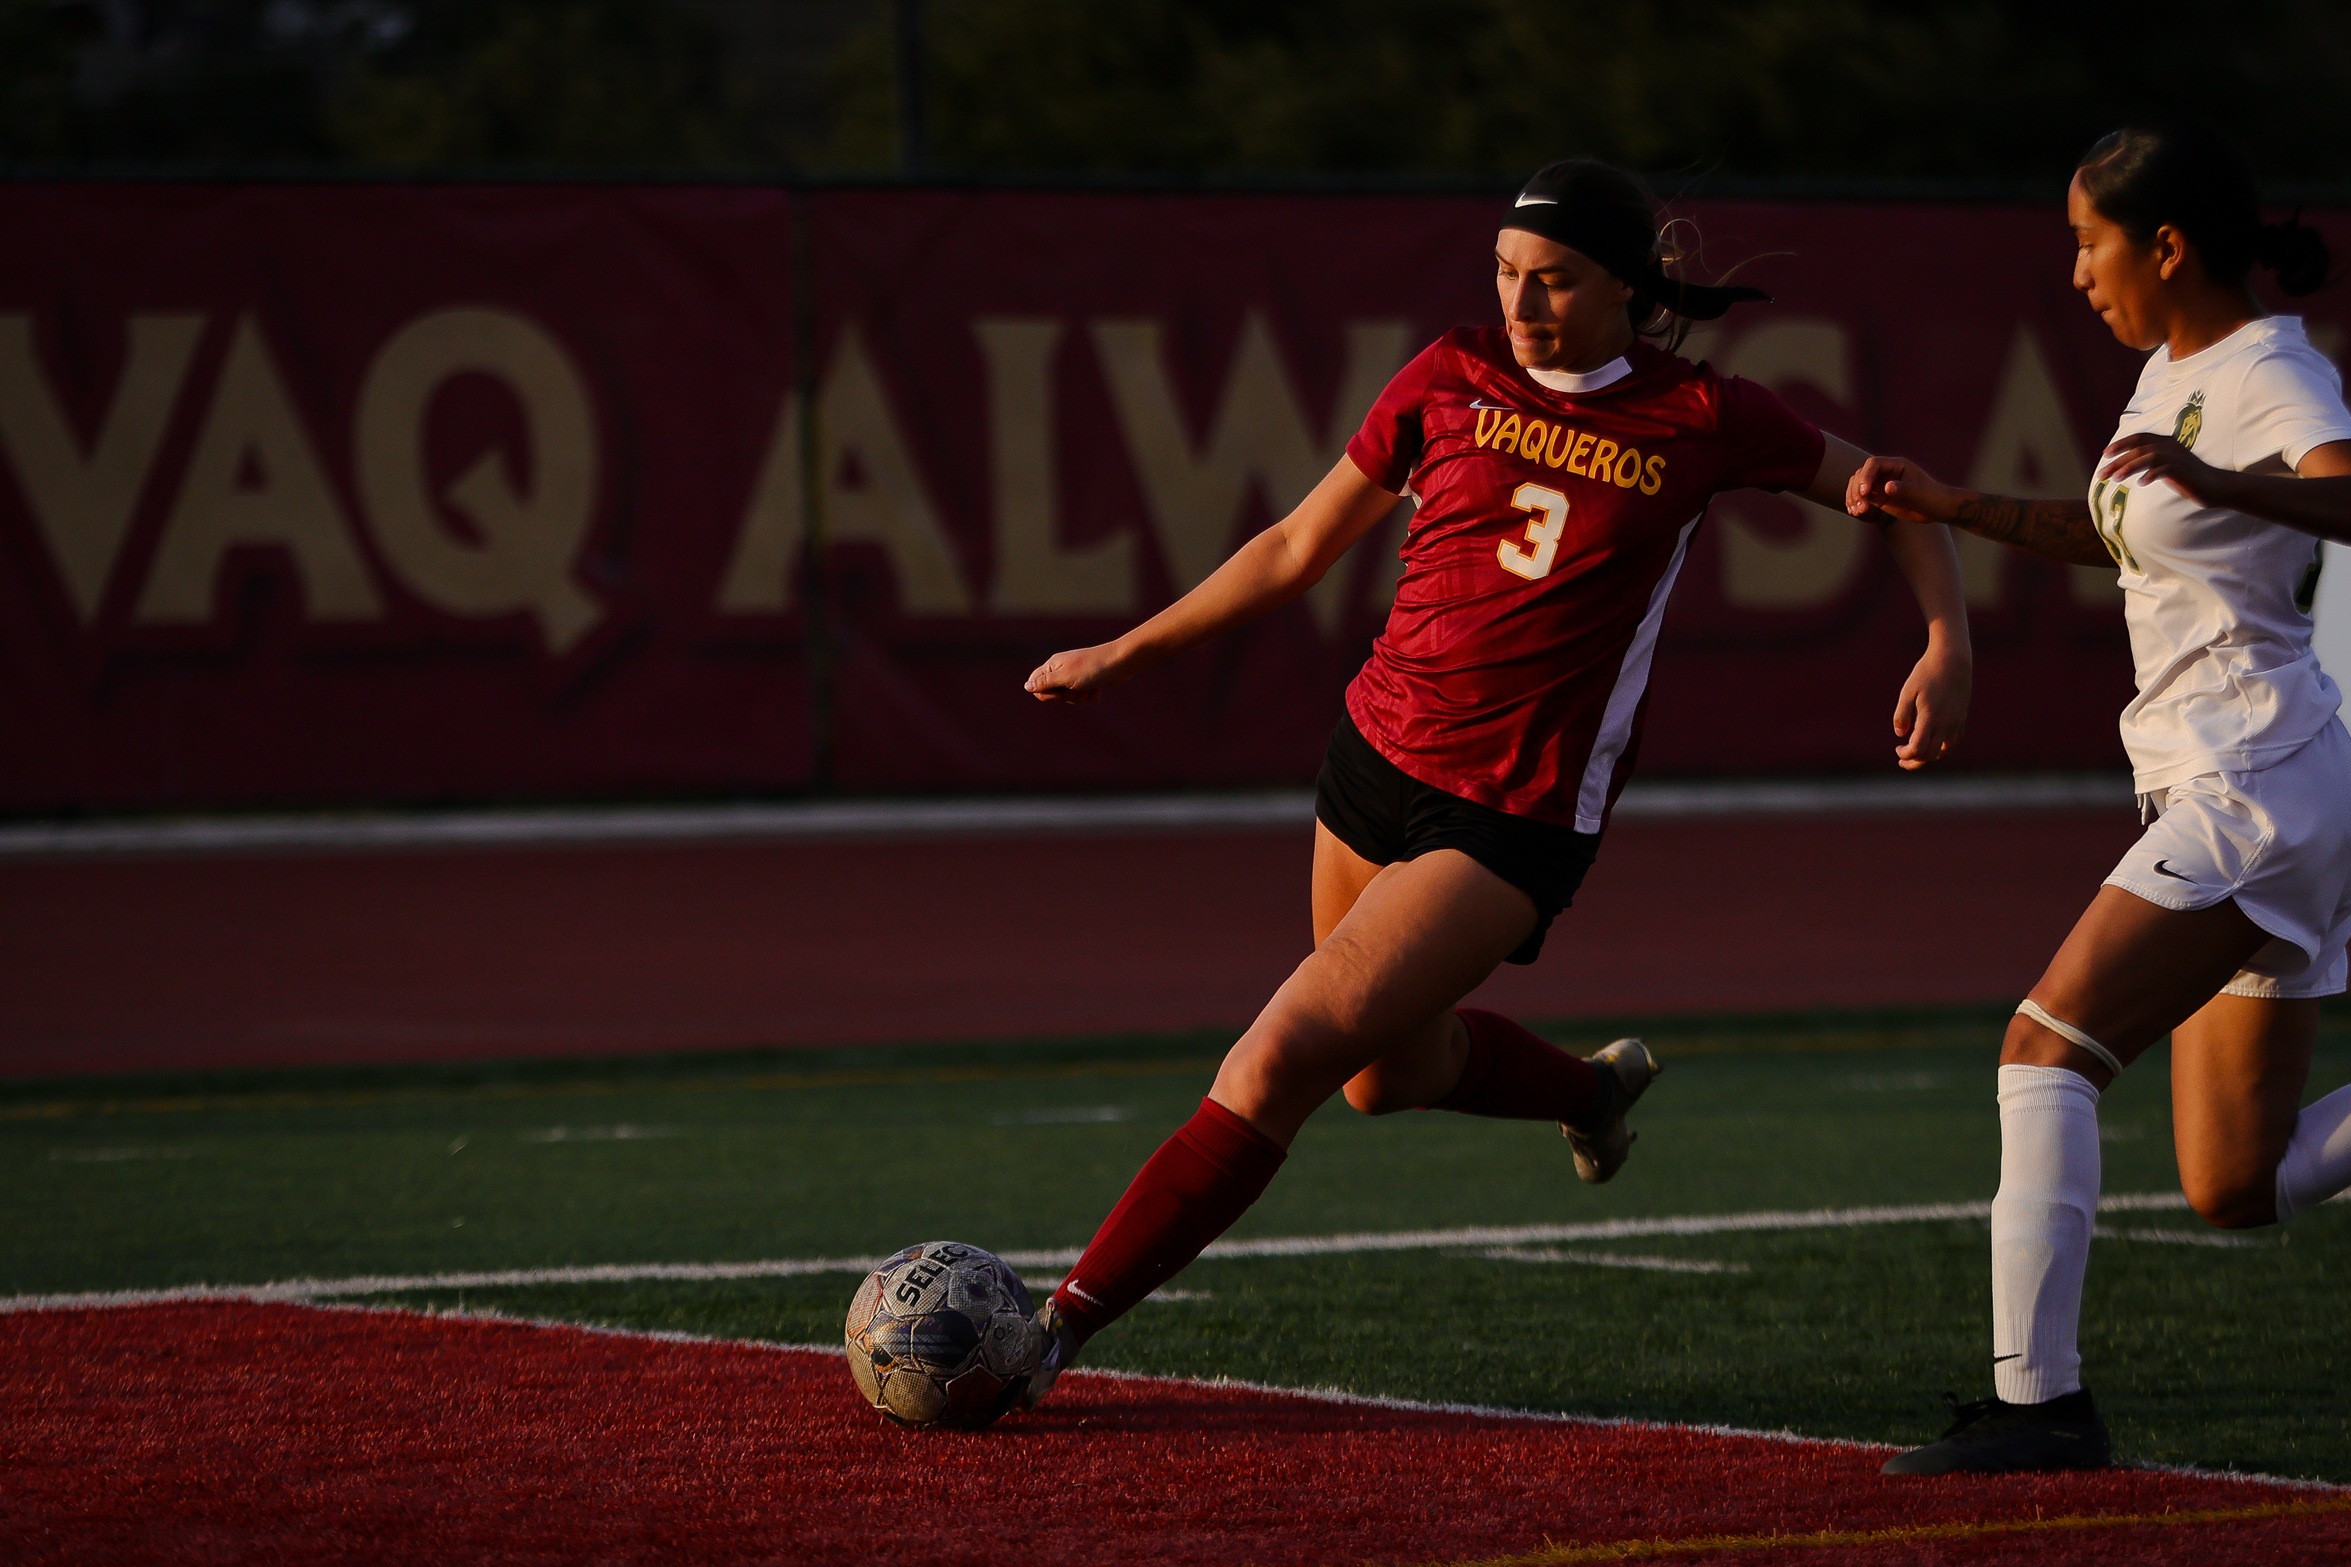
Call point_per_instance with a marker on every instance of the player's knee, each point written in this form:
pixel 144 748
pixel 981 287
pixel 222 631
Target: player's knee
pixel 2232 1202
pixel 1270 1056
pixel 2027 1043
pixel 1373 1092
pixel 2044 1041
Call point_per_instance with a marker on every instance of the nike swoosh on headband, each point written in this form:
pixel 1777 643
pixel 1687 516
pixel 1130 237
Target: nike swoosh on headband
pixel 1537 201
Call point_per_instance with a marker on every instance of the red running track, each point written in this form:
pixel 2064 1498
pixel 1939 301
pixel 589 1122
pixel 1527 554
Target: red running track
pixel 201 961
pixel 240 1432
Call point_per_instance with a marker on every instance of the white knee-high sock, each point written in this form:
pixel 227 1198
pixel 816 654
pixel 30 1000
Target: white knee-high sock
pixel 2041 1230
pixel 2318 1156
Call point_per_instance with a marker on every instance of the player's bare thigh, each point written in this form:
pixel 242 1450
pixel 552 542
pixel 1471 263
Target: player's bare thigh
pixel 2238 1069
pixel 2128 973
pixel 1418 936
pixel 1340 875
pixel 1430 1060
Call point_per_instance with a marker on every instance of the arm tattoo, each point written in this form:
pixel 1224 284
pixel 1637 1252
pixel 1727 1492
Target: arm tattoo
pixel 2059 529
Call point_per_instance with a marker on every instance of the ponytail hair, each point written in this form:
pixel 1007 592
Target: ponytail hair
pixel 2147 177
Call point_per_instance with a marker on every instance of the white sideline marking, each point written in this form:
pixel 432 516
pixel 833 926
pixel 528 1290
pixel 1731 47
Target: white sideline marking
pixel 1066 1257
pixel 1620 1229
pixel 521 826
pixel 2106 1232
pixel 1319 1395
pixel 1611 1259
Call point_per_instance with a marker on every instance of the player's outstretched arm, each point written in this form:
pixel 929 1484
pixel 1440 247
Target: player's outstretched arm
pixel 1930 713
pixel 1263 574
pixel 2315 498
pixel 2059 529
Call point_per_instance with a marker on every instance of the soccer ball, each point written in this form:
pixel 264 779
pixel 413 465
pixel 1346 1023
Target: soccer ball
pixel 940 1335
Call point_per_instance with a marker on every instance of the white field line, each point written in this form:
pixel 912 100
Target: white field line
pixel 513 826
pixel 1622 1229
pixel 1319 1395
pixel 1332 1395
pixel 1480 1236
pixel 2221 1238
pixel 1610 1259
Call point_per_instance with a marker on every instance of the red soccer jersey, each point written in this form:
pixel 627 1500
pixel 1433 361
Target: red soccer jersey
pixel 1515 667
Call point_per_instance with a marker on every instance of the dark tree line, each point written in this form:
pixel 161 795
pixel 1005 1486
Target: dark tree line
pixel 1952 90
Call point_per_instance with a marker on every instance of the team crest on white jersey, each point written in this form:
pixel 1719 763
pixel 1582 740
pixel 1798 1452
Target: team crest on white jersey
pixel 2190 423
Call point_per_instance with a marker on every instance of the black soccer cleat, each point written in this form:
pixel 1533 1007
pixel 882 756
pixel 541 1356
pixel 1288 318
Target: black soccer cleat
pixel 1991 1436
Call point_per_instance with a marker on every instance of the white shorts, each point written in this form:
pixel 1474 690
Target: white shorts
pixel 2278 841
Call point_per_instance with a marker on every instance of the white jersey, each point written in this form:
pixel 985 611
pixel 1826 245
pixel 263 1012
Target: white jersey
pixel 2218 603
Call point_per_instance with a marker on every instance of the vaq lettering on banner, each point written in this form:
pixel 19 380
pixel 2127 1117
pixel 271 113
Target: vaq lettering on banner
pixel 346 494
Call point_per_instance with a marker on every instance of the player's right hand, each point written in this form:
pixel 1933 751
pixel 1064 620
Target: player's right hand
pixel 1079 675
pixel 1902 490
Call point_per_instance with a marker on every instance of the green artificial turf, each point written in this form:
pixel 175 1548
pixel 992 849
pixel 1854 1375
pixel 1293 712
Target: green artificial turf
pixel 2219 1354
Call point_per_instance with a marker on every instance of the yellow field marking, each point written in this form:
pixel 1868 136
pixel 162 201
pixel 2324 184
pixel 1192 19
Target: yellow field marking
pixel 1699 1545
pixel 718 1082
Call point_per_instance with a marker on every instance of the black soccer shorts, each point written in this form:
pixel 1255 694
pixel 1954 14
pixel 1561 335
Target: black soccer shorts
pixel 1384 814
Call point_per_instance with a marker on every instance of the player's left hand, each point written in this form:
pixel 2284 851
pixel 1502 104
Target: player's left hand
pixel 1931 713
pixel 1079 675
pixel 2151 457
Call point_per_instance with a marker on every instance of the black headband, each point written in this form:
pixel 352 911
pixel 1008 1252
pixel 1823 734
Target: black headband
pixel 1626 248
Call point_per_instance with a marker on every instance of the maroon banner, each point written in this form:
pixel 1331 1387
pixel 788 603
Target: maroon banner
pixel 342 494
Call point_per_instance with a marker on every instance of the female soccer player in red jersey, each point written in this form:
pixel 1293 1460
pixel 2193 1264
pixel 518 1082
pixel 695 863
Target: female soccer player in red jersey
pixel 1561 465
pixel 2227 921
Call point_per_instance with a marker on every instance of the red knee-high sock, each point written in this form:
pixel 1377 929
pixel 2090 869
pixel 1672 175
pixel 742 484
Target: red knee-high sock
pixel 1514 1075
pixel 1186 1195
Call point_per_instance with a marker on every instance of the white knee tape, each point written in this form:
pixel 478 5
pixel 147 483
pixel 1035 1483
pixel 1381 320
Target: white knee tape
pixel 2064 1030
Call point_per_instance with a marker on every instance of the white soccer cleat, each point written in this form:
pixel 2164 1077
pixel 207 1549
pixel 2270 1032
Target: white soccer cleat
pixel 1626 1070
pixel 1059 1348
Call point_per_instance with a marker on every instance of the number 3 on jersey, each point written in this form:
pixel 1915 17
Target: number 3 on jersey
pixel 2106 506
pixel 1546 511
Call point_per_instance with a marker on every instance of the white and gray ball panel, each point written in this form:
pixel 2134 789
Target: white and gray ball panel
pixel 941 1334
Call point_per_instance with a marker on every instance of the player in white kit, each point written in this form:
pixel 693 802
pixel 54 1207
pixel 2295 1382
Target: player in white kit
pixel 2227 921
